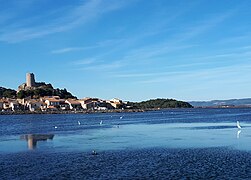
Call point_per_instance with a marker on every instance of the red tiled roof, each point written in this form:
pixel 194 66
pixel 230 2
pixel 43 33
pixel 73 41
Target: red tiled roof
pixel 73 101
pixel 52 100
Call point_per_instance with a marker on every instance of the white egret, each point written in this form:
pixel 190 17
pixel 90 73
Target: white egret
pixel 238 125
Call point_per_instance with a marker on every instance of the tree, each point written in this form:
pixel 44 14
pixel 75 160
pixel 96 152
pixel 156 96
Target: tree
pixel 21 94
pixel 7 93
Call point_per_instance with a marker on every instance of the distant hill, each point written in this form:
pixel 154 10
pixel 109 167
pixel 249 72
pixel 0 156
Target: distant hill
pixel 161 103
pixel 230 102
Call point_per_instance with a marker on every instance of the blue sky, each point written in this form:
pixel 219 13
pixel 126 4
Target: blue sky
pixel 130 49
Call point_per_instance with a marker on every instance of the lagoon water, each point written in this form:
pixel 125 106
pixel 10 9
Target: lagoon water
pixel 170 144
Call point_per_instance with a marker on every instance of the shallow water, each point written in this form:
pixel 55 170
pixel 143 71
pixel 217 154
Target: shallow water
pixel 29 138
pixel 185 128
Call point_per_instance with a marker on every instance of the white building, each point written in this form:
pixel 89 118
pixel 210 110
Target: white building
pixel 74 104
pixel 34 105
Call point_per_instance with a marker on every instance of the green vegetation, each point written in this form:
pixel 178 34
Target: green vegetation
pixel 47 91
pixel 161 103
pixel 7 93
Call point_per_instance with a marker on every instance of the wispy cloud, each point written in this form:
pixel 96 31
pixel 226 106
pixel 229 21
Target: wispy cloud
pixel 202 27
pixel 236 38
pixel 153 51
pixel 205 75
pixel 140 75
pixel 80 15
pixel 104 66
pixel 227 56
pixel 69 49
pixel 136 53
pixel 85 61
pixel 160 72
pixel 106 43
pixel 132 58
pixel 146 54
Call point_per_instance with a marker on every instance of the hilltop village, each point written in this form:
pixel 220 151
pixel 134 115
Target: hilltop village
pixel 54 102
pixel 39 97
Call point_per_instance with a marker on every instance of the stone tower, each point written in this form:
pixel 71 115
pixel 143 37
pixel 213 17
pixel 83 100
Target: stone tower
pixel 30 80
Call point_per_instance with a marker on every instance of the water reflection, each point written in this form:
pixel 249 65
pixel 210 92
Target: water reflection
pixel 238 134
pixel 32 139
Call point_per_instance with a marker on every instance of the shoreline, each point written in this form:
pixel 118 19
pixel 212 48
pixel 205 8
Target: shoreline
pixel 108 111
pixel 71 112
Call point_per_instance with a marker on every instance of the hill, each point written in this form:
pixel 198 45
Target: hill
pixel 230 102
pixel 45 90
pixel 160 103
pixel 8 93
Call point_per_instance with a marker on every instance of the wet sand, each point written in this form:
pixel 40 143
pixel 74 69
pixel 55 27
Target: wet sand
pixel 205 163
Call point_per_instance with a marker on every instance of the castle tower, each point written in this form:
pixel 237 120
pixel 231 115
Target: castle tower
pixel 30 80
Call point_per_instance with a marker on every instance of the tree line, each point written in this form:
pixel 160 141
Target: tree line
pixel 8 93
pixel 160 103
pixel 35 93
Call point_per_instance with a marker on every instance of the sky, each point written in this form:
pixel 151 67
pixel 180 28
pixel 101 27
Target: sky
pixel 130 49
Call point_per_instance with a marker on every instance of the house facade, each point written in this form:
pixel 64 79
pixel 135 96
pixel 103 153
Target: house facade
pixel 34 105
pixel 74 104
pixel 89 103
pixel 116 103
pixel 14 105
pixel 51 102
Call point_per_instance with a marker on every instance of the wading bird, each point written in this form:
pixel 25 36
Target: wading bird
pixel 238 125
